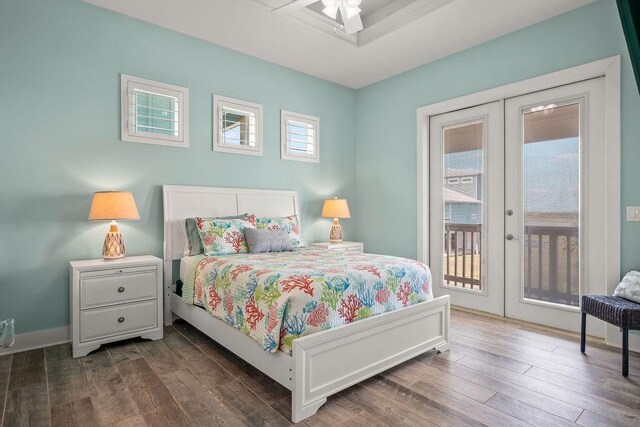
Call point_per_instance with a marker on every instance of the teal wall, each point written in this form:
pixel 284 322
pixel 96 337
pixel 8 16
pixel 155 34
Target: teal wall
pixel 60 65
pixel 60 62
pixel 386 117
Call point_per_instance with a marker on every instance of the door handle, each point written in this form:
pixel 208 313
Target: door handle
pixel 510 237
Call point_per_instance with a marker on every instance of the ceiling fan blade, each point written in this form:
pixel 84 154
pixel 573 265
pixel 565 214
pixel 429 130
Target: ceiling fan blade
pixel 353 24
pixel 293 6
pixel 331 12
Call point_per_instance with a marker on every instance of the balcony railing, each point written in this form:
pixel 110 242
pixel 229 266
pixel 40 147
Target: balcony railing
pixel 463 250
pixel 551 264
pixel 551 261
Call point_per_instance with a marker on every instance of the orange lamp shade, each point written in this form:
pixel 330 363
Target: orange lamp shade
pixel 336 208
pixel 113 205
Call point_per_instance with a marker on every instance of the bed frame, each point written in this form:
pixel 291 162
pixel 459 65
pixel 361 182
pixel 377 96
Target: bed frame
pixel 323 363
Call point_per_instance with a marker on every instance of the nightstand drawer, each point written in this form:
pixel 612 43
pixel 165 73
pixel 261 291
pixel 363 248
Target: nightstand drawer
pixel 117 320
pixel 116 288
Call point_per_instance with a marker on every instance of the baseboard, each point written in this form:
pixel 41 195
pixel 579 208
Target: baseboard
pixel 614 338
pixel 38 339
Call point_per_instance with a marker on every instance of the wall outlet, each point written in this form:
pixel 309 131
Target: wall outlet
pixel 633 213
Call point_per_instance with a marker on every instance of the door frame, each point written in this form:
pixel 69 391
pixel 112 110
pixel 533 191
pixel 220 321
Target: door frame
pixel 609 68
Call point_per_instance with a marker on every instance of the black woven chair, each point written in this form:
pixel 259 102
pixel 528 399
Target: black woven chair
pixel 615 310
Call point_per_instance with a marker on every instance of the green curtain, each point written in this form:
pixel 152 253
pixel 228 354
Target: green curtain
pixel 630 18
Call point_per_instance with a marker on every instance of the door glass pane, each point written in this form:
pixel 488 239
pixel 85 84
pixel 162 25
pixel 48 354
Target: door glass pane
pixel 463 172
pixel 551 198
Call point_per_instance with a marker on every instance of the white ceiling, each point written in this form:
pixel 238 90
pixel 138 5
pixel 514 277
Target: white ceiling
pixel 441 29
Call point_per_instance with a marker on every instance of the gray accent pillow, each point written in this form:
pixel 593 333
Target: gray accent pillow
pixel 193 237
pixel 267 240
pixel 629 288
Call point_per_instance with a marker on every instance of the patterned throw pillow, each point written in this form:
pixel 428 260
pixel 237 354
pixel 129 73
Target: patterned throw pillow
pixel 194 245
pixel 287 223
pixel 223 236
pixel 629 288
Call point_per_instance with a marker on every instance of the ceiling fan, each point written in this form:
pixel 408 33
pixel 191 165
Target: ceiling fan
pixel 349 11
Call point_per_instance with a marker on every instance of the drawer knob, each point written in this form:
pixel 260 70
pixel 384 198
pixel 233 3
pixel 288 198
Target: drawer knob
pixel 120 319
pixel 121 289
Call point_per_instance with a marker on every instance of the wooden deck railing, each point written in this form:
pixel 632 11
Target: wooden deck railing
pixel 551 264
pixel 463 249
pixel 551 256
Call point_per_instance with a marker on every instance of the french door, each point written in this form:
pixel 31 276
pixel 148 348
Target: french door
pixel 554 242
pixel 515 204
pixel 466 196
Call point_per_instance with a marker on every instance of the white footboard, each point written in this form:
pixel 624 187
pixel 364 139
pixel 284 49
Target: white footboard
pixel 333 360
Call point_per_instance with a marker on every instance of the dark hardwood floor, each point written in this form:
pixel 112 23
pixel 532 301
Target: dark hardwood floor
pixel 498 372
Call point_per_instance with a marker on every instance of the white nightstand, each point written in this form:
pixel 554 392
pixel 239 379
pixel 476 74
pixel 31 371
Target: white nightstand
pixel 114 300
pixel 344 246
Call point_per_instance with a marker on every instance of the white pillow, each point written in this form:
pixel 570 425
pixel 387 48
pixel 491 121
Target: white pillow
pixel 629 288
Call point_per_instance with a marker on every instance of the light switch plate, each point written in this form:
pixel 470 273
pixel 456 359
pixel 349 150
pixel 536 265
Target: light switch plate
pixel 633 213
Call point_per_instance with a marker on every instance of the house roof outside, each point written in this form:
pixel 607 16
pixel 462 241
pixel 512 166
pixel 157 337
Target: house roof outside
pixel 454 173
pixel 452 196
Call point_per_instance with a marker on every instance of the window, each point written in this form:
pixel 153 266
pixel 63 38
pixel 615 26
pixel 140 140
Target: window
pixel 453 180
pixel 300 137
pixel 466 180
pixel 154 112
pixel 237 126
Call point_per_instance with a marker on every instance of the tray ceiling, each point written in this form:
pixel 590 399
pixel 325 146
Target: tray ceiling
pixel 398 35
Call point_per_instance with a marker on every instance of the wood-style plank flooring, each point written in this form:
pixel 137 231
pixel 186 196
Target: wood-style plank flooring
pixel 498 372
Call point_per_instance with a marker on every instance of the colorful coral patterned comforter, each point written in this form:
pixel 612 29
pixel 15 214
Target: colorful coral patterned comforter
pixel 277 297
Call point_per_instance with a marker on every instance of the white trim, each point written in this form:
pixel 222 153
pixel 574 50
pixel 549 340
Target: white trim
pixel 285 116
pixel 220 101
pixel 39 339
pixel 128 134
pixel 411 12
pixel 385 20
pixel 609 68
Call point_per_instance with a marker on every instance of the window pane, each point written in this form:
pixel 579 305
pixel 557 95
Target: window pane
pixel 463 175
pixel 551 190
pixel 238 127
pixel 156 113
pixel 300 137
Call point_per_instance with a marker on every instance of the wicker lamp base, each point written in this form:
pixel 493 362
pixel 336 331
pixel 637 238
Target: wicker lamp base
pixel 335 236
pixel 113 247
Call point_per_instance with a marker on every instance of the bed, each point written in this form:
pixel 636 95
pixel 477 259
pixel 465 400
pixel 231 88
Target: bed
pixel 315 365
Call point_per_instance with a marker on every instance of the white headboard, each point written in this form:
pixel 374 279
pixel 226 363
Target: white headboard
pixel 181 202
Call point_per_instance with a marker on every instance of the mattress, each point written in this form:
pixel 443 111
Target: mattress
pixel 184 264
pixel 275 298
pixel 187 266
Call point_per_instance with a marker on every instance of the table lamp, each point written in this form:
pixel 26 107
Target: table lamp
pixel 111 206
pixel 336 208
